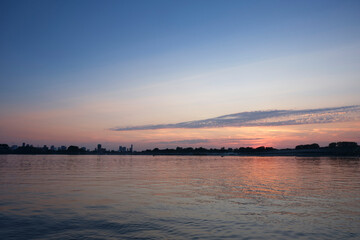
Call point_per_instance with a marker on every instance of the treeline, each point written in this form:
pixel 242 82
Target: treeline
pixel 334 148
pixel 205 151
pixel 339 148
pixel 333 145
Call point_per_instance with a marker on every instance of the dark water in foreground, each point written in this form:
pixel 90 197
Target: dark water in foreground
pixel 180 197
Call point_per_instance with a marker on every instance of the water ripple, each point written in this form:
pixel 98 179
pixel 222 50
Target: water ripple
pixel 181 197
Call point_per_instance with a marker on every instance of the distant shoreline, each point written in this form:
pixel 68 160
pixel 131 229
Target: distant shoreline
pixel 279 153
pixel 339 149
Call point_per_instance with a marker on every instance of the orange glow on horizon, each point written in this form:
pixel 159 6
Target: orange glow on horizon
pixel 54 128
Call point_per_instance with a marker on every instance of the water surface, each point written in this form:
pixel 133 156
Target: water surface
pixel 178 197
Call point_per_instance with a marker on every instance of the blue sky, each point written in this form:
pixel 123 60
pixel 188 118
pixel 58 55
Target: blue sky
pixel 163 62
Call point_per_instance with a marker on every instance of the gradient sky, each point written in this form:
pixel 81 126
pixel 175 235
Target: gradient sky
pixel 88 72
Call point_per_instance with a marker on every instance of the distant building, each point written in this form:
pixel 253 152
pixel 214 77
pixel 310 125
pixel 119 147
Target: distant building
pixel 122 149
pixel 62 148
pixel 100 150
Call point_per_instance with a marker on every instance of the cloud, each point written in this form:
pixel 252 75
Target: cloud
pixel 263 118
pixel 190 141
pixel 196 141
pixel 238 139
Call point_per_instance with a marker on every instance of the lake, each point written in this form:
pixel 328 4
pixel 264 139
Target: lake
pixel 178 197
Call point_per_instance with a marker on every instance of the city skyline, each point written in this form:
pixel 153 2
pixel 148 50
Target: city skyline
pixel 97 147
pixel 180 73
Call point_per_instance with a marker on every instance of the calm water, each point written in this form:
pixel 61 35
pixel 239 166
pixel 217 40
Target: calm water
pixel 180 197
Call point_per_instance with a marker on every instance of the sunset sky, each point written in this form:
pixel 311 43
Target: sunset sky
pixel 179 73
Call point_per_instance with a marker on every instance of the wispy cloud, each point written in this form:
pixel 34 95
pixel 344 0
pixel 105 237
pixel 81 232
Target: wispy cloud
pixel 209 140
pixel 263 118
pixel 189 141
